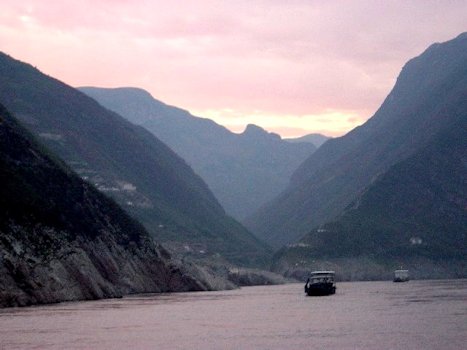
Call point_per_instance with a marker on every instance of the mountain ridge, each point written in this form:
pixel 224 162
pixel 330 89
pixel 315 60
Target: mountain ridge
pixel 243 170
pixel 412 216
pixel 429 89
pixel 126 162
pixel 316 139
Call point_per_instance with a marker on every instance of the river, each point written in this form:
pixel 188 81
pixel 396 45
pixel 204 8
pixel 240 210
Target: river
pixel 361 315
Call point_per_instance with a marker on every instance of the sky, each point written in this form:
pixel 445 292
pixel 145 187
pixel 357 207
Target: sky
pixel 292 67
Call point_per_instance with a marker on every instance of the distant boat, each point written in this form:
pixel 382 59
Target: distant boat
pixel 401 276
pixel 320 283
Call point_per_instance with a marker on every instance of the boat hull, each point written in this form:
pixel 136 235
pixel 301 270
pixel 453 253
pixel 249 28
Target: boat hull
pixel 319 289
pixel 400 280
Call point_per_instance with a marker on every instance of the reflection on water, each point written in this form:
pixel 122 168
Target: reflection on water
pixel 364 315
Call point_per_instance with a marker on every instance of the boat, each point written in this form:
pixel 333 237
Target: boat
pixel 320 283
pixel 401 276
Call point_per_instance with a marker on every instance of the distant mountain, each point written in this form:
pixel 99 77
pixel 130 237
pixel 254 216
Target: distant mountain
pixel 429 96
pixel 128 163
pixel 61 239
pixel 414 216
pixel 315 139
pixel 244 171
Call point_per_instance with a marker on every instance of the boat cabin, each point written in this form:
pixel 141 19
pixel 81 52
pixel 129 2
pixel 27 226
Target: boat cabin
pixel 322 276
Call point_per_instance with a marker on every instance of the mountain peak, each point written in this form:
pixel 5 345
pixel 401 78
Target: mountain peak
pixel 251 167
pixel 428 96
pixel 256 131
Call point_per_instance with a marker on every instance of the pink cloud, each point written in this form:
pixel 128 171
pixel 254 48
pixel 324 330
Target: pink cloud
pixel 290 58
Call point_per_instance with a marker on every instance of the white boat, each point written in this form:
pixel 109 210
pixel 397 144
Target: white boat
pixel 401 276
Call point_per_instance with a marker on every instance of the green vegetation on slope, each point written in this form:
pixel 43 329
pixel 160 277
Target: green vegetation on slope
pixel 429 95
pixel 38 188
pixel 61 239
pixel 414 215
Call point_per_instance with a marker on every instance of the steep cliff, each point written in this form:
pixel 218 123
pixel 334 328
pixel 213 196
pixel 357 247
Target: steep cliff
pixel 414 215
pixel 61 239
pixel 429 95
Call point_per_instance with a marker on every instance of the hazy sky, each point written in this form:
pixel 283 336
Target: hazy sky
pixel 290 66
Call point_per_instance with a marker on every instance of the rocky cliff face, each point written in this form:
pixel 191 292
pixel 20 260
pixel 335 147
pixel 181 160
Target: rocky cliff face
pixel 33 272
pixel 61 239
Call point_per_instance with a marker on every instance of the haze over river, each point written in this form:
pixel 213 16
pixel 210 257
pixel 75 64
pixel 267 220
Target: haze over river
pixel 361 315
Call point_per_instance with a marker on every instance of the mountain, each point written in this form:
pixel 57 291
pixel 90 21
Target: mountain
pixel 315 139
pixel 244 171
pixel 128 163
pixel 414 215
pixel 61 239
pixel 429 95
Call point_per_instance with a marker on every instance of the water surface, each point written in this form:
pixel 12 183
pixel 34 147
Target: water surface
pixel 361 315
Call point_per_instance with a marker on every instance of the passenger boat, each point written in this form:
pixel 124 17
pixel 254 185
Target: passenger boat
pixel 320 283
pixel 401 276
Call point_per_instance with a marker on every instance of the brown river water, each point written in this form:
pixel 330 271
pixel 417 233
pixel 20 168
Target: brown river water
pixel 361 315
